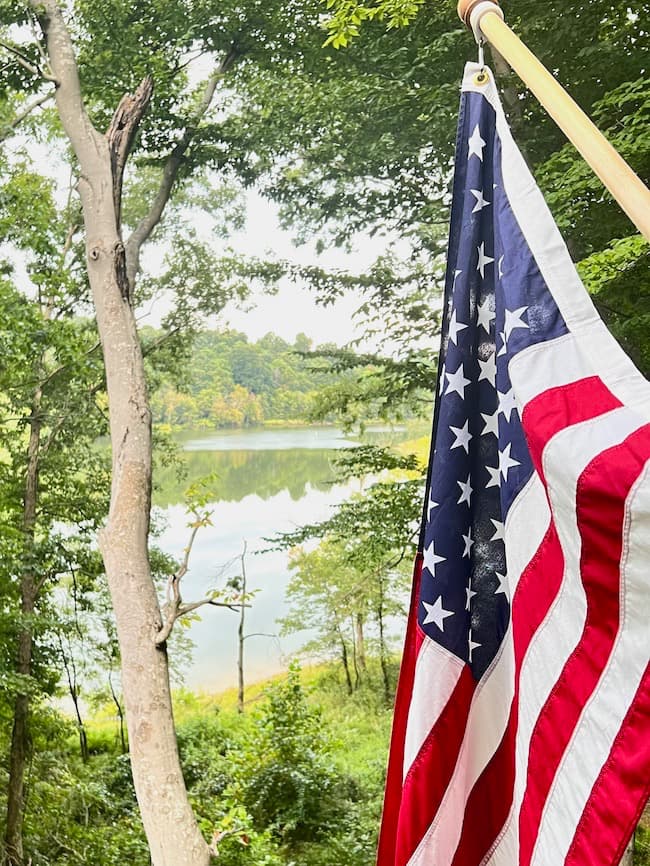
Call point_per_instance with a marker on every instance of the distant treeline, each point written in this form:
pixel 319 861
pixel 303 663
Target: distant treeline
pixel 231 382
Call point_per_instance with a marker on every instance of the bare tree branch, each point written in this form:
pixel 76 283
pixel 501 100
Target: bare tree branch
pixel 36 71
pixel 159 341
pixel 231 605
pixel 174 601
pixel 63 367
pixel 183 609
pixel 170 172
pixel 121 133
pixel 27 110
pixel 174 607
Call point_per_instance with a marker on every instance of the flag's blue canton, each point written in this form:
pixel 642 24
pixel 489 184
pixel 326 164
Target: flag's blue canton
pixel 497 304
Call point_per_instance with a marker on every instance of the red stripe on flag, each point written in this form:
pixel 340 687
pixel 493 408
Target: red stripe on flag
pixel 536 591
pixel 489 803
pixel 602 491
pixel 557 408
pixel 623 780
pixel 430 773
pixel 395 773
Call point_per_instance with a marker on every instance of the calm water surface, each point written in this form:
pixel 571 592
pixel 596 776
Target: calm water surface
pixel 267 481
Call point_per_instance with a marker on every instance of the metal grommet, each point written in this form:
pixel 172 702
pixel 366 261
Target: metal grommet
pixel 481 77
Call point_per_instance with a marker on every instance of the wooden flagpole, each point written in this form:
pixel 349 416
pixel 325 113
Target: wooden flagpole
pixel 485 18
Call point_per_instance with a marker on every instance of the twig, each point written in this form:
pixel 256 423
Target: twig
pixel 219 835
pixel 25 63
pixel 170 171
pixel 63 367
pixel 18 119
pixel 231 605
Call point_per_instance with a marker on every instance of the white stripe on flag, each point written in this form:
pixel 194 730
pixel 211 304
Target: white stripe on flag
pixel 604 712
pixel 530 509
pixel 547 365
pixel 565 457
pixel 436 673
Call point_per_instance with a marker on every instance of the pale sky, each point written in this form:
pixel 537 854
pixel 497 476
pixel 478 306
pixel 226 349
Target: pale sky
pixel 293 309
pixel 289 312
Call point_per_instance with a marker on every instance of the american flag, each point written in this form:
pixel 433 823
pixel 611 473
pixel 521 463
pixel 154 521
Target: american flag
pixel 521 733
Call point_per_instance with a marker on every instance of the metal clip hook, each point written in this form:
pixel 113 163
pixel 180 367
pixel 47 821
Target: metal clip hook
pixel 481 76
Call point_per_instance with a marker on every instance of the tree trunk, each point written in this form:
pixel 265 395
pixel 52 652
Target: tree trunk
pixel 120 715
pixel 172 832
pixel 344 651
pixel 20 738
pixel 382 642
pixel 16 785
pixel 355 662
pixel 73 689
pixel 346 665
pixel 241 636
pixel 360 641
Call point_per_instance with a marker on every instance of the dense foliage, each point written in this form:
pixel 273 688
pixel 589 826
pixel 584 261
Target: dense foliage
pixel 228 381
pixel 298 778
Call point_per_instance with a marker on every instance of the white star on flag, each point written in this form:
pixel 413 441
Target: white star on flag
pixel 488 369
pixel 457 273
pixel 469 541
pixel 470 595
pixel 504 347
pixel 507 403
pixel 495 479
pixel 500 266
pixel 513 320
pixel 506 462
pixel 431 559
pixel 472 646
pixel 485 315
pixel 431 505
pixel 491 423
pixel 503 584
pixel 498 530
pixel 462 435
pixel 476 144
pixel 483 260
pixel 436 613
pixel 466 489
pixel 454 327
pixel 457 382
pixel 480 201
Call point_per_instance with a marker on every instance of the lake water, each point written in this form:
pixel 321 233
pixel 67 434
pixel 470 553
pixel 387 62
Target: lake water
pixel 266 481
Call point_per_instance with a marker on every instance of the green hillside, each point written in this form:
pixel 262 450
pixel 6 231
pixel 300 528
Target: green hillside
pixel 228 381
